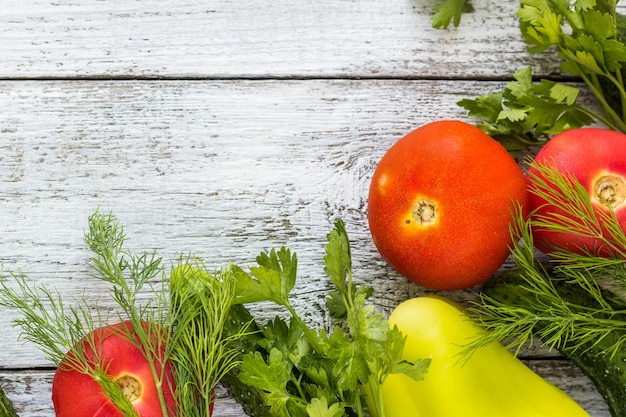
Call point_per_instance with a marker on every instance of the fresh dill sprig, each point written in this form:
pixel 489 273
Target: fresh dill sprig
pixel 200 303
pixel 308 372
pixel 577 214
pixel 46 320
pixel 58 330
pixel 564 303
pixel 184 330
pixel 113 392
pixel 128 274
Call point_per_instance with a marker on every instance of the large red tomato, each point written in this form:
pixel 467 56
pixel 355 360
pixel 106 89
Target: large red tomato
pixel 596 158
pixel 76 394
pixel 440 205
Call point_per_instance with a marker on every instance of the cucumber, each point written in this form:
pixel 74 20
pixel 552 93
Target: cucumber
pixel 250 399
pixel 608 373
pixel 6 406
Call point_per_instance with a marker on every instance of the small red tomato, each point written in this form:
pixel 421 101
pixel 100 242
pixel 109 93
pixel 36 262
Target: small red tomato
pixel 596 158
pixel 440 205
pixel 76 394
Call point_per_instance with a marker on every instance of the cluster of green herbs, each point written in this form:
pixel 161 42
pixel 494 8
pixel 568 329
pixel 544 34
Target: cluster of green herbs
pixel 181 331
pixel 301 371
pixel 588 36
pixel 293 368
pixel 547 314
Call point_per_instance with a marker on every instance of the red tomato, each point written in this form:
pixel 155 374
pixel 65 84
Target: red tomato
pixel 75 394
pixel 597 159
pixel 440 205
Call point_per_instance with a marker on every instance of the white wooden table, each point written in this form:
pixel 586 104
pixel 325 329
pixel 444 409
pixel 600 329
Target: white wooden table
pixel 224 128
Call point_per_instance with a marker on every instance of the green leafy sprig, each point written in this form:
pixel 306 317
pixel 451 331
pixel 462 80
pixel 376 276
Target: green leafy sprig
pixel 588 36
pixel 450 11
pixel 528 113
pixel 185 328
pixel 309 372
pixel 591 49
pixel 128 274
pixel 56 328
pixel 535 305
pixel 200 303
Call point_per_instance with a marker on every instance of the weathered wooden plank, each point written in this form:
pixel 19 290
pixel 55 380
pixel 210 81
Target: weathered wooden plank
pixel 269 38
pixel 223 170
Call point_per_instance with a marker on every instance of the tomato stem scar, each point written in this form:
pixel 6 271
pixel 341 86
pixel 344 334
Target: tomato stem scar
pixel 610 190
pixel 131 387
pixel 425 212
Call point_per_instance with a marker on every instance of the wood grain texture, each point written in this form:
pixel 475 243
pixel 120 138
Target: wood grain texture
pixel 223 170
pixel 261 38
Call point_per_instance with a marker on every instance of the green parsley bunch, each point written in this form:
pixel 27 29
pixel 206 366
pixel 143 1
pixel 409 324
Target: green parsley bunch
pixel 292 369
pixel 588 36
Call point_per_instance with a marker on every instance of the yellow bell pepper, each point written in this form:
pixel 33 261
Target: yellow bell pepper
pixel 491 382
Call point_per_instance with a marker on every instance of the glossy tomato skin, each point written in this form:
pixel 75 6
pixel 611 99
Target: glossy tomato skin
pixel 78 395
pixel 468 182
pixel 593 156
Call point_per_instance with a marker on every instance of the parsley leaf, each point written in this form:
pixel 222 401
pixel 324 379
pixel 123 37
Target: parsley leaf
pixel 269 376
pixel 350 359
pixel 318 407
pixel 272 280
pixel 450 11
pixel 588 36
pixel 336 307
pixel 338 258
pixel 300 371
pixel 393 362
pixel 590 48
pixel 527 113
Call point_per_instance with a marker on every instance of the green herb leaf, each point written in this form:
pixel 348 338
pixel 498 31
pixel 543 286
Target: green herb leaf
pixel 588 36
pixel 303 371
pixel 202 353
pixel 335 305
pixel 338 259
pixel 450 11
pixel 393 362
pixel 288 338
pixel 271 376
pixel 272 280
pixel 533 306
pixel 318 407
pixel 528 113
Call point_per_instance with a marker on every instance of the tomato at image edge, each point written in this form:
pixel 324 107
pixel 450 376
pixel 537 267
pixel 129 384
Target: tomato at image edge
pixel 75 394
pixel 440 205
pixel 596 158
